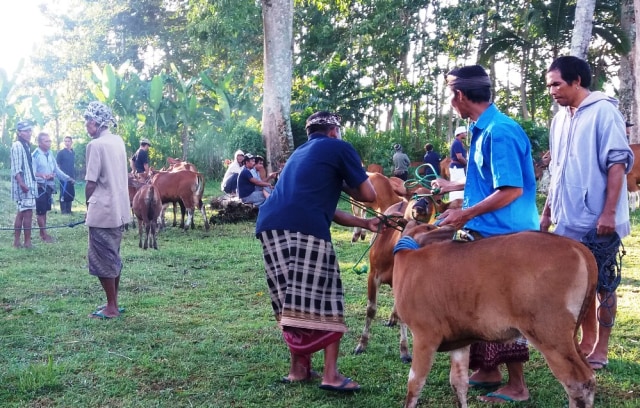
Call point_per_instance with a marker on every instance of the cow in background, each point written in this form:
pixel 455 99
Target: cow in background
pixel 147 206
pixel 452 294
pixel 633 179
pixel 182 186
pixel 444 168
pixel 375 168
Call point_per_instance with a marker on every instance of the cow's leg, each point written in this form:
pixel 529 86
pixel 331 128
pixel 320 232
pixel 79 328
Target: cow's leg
pixel 567 364
pixel 189 218
pixel 174 214
pixel 459 374
pixel 147 229
pixel 357 231
pixel 203 211
pixel 405 356
pixel 139 233
pixel 154 233
pixel 422 361
pixel 372 306
pixel 163 224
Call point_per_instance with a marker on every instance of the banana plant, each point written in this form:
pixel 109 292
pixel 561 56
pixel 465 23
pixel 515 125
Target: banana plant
pixel 186 105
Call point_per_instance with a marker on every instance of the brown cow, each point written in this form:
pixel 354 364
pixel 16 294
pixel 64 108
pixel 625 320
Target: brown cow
pixel 633 179
pixel 185 186
pixel 381 263
pixel 147 206
pixel 444 168
pixel 451 294
pixel 385 197
pixel 375 168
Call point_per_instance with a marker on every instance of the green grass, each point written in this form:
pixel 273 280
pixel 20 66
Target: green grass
pixel 198 330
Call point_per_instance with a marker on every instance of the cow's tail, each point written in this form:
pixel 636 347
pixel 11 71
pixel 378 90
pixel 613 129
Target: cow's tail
pixel 151 204
pixel 199 190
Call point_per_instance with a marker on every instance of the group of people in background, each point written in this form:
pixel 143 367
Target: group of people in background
pixel 247 178
pixel 33 185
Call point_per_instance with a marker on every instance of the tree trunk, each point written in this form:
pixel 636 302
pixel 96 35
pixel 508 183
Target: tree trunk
pixel 628 104
pixel 582 28
pixel 277 16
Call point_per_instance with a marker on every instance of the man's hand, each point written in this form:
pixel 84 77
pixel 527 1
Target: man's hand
pixel 24 188
pixel 457 218
pixel 374 225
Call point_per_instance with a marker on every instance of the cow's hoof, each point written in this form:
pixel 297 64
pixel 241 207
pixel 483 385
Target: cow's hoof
pixel 358 350
pixel 406 359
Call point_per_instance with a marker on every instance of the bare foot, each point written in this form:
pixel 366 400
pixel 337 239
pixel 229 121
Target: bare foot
pixel 504 395
pixel 48 239
pixel 486 377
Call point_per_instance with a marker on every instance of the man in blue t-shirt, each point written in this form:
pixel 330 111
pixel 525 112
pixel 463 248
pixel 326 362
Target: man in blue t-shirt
pixel 433 158
pixel 499 198
pixel 140 160
pixel 301 265
pixel 248 185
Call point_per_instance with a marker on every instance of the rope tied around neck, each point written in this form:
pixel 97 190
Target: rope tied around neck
pixel 608 252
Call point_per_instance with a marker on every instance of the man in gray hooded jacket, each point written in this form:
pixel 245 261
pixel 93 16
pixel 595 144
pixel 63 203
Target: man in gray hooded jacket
pixel 589 158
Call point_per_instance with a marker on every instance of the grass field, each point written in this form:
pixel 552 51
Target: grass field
pixel 198 329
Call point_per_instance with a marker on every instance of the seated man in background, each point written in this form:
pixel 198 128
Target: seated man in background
pixel 249 185
pixel 230 179
pixel 261 174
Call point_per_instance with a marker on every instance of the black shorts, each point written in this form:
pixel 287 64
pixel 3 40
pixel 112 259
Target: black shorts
pixel 43 202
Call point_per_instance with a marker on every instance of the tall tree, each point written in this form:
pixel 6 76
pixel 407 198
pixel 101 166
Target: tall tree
pixel 582 28
pixel 278 68
pixel 628 81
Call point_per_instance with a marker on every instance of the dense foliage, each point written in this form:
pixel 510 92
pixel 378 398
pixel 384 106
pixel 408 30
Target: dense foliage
pixel 188 74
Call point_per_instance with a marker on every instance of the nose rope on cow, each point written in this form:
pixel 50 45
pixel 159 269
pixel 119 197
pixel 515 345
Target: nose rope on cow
pixel 390 221
pixel 608 256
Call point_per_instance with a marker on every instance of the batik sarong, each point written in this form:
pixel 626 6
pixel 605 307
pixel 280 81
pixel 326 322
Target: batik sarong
pixel 104 252
pixel 488 356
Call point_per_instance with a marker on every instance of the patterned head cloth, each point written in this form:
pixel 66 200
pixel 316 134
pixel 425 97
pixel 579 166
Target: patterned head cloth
pixel 24 125
pixel 100 113
pixel 323 118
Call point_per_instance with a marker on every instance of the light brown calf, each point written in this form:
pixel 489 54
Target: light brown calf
pixel 451 294
pixel 147 206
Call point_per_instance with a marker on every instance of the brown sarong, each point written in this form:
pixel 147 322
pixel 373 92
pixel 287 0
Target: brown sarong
pixel 304 281
pixel 104 252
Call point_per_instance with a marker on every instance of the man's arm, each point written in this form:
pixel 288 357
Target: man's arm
pixel 349 220
pixel 364 192
pixel 461 159
pixel 259 183
pixel 89 189
pixel 606 224
pixel 502 197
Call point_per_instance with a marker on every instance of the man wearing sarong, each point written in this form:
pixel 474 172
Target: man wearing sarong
pixel 23 184
pixel 301 267
pixel 499 198
pixel 107 204
pixel 588 190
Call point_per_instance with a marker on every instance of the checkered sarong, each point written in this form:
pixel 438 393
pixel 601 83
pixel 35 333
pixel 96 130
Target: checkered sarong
pixel 304 281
